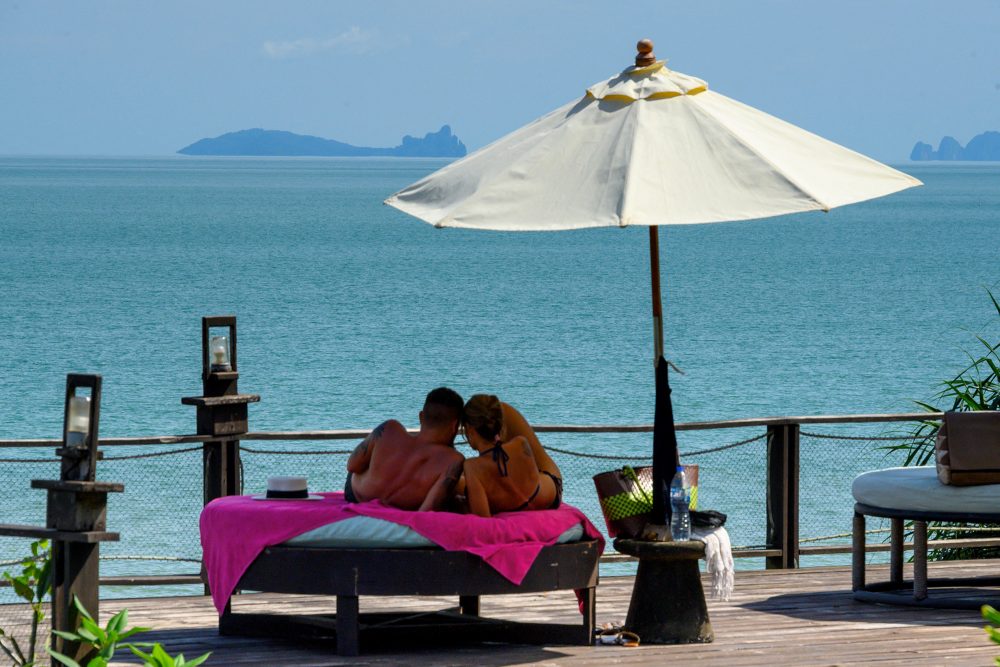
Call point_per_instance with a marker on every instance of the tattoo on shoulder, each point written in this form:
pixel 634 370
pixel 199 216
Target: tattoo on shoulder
pixel 377 433
pixel 362 448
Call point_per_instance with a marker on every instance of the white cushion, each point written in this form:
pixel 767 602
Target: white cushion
pixel 365 532
pixel 918 488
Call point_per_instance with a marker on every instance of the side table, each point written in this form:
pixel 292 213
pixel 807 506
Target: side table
pixel 668 602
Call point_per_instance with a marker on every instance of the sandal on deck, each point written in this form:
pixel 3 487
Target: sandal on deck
pixel 626 638
pixel 617 636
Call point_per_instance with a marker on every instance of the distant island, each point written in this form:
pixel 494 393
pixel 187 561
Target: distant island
pixel 257 142
pixel 982 147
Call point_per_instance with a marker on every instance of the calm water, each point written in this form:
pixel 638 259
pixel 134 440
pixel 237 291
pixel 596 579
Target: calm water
pixel 349 311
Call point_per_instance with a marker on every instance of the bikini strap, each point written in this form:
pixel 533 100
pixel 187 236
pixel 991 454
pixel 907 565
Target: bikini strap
pixel 500 457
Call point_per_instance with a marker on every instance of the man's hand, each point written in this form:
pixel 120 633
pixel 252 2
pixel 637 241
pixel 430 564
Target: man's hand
pixel 362 454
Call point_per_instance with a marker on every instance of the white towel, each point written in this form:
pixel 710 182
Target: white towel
pixel 718 559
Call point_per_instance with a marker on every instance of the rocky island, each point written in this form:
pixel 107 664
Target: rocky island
pixel 982 147
pixel 258 142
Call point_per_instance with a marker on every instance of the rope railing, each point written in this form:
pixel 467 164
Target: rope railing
pixel 359 434
pixel 176 445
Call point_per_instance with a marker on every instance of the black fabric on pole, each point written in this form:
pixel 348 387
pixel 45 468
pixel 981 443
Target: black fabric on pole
pixel 665 456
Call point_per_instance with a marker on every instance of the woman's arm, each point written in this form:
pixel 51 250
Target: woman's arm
pixel 439 493
pixel 479 504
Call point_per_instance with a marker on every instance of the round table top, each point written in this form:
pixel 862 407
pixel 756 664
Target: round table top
pixel 643 549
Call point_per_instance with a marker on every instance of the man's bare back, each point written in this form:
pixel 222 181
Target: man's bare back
pixel 402 470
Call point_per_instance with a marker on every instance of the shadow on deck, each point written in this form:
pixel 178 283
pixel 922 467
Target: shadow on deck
pixel 791 617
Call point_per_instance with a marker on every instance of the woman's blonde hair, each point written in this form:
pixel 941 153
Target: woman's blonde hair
pixel 484 414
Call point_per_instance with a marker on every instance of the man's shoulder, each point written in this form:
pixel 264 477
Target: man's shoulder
pixel 388 427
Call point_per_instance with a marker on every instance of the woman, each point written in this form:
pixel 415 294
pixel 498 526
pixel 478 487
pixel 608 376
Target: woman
pixel 512 472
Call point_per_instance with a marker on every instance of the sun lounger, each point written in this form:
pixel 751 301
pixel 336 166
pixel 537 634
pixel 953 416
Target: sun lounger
pixel 410 568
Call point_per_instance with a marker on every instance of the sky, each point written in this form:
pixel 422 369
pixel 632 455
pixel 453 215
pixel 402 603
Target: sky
pixel 139 77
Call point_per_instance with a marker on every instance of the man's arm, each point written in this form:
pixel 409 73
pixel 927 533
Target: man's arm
pixel 362 454
pixel 442 488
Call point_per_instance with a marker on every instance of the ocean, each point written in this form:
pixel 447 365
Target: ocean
pixel 350 311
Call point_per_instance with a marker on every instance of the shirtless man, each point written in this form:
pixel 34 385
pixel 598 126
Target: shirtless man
pixel 410 472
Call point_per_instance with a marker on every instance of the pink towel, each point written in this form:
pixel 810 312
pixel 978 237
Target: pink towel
pixel 237 528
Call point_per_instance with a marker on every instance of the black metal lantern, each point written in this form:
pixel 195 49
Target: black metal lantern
pixel 218 350
pixel 81 419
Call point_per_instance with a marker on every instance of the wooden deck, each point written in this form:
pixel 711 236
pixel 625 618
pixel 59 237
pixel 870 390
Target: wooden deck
pixel 792 617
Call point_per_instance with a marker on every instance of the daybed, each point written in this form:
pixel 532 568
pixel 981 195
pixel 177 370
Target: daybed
pixel 299 566
pixel 915 494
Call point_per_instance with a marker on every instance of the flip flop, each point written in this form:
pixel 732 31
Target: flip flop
pixel 626 638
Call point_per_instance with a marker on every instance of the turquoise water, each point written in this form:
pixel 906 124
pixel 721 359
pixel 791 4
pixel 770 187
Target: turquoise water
pixel 349 311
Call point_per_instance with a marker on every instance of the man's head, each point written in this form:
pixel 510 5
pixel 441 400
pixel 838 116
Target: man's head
pixel 442 412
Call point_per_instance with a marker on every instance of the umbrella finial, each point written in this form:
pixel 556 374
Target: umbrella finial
pixel 645 56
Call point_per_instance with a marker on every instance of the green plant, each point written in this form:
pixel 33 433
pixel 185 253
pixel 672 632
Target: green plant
pixel 993 616
pixel 977 387
pixel 105 641
pixel 33 585
pixel 158 657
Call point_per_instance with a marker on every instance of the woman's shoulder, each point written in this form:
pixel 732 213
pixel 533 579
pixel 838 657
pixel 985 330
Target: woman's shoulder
pixel 518 446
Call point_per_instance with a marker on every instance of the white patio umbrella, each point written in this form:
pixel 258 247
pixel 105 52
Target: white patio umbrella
pixel 647 147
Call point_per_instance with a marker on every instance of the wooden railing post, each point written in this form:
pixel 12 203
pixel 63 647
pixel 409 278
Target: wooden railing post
pixel 783 495
pixel 222 410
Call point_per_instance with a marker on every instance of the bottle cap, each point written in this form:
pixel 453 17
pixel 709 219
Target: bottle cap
pixel 680 468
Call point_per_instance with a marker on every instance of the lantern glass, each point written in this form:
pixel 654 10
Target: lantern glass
pixel 78 420
pixel 218 354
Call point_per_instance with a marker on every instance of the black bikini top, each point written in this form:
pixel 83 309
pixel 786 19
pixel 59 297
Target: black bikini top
pixel 500 457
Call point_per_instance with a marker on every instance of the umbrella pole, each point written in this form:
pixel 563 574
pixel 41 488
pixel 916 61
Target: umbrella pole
pixel 663 452
pixel 654 274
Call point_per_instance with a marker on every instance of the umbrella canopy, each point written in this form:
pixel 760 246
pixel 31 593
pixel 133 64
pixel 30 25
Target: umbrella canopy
pixel 647 147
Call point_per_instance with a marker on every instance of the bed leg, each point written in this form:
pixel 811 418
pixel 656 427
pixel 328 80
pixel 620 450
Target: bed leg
pixel 858 553
pixel 588 605
pixel 919 560
pixel 468 605
pixel 896 552
pixel 347 625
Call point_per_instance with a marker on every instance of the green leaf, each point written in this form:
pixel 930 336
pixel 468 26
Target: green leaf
pixel 86 635
pixel 22 589
pixel 131 632
pixel 68 636
pixel 197 661
pixel 80 608
pixel 44 584
pixel 64 659
pixel 117 622
pixel 139 654
pixel 98 661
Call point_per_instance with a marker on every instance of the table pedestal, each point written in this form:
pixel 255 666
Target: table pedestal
pixel 668 602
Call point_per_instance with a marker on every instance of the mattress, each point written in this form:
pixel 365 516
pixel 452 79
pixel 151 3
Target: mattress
pixel 365 532
pixel 918 488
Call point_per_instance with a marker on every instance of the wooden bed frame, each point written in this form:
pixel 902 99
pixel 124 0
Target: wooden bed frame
pixel 914 593
pixel 350 573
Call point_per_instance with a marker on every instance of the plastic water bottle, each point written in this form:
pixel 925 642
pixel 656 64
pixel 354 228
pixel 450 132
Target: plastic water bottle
pixel 680 517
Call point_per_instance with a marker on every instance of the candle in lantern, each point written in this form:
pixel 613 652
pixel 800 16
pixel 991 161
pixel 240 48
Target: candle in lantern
pixel 78 421
pixel 219 354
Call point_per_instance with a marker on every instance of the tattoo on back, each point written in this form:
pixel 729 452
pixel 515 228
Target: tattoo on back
pixel 377 433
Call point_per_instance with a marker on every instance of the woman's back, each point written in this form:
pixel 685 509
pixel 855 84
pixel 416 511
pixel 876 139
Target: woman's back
pixel 503 478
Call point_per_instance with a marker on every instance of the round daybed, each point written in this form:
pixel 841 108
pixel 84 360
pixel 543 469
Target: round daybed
pixel 915 494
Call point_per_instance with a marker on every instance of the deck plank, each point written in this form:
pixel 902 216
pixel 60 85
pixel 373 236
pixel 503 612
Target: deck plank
pixel 797 617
